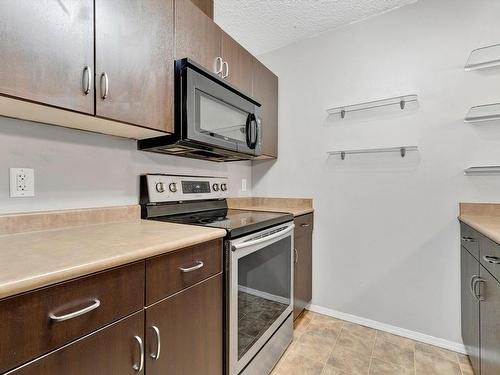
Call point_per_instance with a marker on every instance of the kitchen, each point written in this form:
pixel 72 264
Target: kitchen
pixel 372 142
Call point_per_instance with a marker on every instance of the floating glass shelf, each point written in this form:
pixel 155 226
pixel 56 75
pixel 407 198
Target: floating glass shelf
pixel 491 169
pixel 401 149
pixel 488 112
pixel 485 57
pixel 400 101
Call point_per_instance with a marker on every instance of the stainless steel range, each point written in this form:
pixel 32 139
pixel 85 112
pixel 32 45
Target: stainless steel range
pixel 258 257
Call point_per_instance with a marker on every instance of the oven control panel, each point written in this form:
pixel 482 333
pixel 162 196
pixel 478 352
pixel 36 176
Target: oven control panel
pixel 172 188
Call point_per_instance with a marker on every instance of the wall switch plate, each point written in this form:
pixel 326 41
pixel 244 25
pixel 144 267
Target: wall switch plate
pixel 22 182
pixel 243 184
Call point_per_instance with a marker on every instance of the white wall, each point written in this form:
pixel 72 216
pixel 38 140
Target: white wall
pixel 386 240
pixel 76 169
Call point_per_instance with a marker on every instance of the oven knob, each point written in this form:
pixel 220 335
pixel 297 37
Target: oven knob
pixel 160 187
pixel 223 187
pixel 215 187
pixel 172 187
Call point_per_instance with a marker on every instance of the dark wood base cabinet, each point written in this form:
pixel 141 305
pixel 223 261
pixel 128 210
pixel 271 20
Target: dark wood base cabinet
pixel 102 324
pixel 188 327
pixel 114 350
pixel 302 276
pixel 480 301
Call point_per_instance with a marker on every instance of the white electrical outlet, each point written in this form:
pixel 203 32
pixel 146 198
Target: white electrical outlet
pixel 243 184
pixel 22 182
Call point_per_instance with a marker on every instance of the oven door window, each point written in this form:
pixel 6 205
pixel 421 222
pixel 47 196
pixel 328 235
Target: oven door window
pixel 264 291
pixel 218 119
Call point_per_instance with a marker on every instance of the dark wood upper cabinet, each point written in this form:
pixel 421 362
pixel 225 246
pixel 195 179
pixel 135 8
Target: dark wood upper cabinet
pixel 196 35
pixel 111 351
pixel 48 52
pixel 188 326
pixel 238 70
pixel 302 271
pixel 206 6
pixel 134 62
pixel 265 91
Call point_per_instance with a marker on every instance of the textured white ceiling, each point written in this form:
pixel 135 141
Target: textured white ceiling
pixel 264 25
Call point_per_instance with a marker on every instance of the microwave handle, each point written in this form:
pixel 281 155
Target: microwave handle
pixel 251 119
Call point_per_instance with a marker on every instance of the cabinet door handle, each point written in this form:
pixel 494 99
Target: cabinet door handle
pixel 156 331
pixel 296 255
pixel 471 285
pixel 468 239
pixel 199 264
pixel 307 225
pixel 491 259
pixel 105 83
pixel 218 65
pixel 226 65
pixel 87 80
pixel 139 366
pixel 476 281
pixel 61 318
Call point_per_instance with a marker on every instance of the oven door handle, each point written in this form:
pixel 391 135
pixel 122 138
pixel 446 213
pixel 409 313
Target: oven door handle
pixel 242 245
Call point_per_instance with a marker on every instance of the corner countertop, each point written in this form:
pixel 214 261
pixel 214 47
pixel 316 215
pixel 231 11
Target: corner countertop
pixel 295 206
pixel 483 217
pixel 32 260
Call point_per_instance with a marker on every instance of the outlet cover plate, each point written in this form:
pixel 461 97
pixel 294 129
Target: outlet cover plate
pixel 22 182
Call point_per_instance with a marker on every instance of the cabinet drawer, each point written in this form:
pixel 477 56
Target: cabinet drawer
pixel 113 350
pixel 469 238
pixel 170 273
pixel 490 256
pixel 303 225
pixel 37 322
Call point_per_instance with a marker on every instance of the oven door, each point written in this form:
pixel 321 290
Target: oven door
pixel 215 115
pixel 260 291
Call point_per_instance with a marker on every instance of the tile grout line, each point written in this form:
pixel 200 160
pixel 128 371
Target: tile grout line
pixel 371 354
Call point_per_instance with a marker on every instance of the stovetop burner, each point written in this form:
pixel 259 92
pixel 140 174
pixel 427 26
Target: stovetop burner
pixel 200 201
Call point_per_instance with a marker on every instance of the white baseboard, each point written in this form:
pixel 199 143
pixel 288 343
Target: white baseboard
pixel 417 336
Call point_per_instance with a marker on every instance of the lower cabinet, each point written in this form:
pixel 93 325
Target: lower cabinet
pixel 184 331
pixel 100 324
pixel 480 302
pixel 302 272
pixel 114 350
pixel 490 324
pixel 470 307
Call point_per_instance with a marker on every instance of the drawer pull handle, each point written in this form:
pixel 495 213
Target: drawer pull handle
pixel 296 255
pixel 468 239
pixel 492 260
pixel 307 224
pixel 138 367
pixel 61 318
pixel 156 331
pixel 199 264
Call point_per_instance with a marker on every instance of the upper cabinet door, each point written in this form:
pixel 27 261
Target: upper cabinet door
pixel 265 91
pixel 197 36
pixel 134 62
pixel 47 52
pixel 238 64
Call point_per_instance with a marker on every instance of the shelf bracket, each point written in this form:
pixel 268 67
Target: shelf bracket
pixel 402 104
pixel 342 113
pixel 403 152
pixel 342 155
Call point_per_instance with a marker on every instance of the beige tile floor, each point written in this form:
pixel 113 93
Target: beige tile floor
pixel 326 346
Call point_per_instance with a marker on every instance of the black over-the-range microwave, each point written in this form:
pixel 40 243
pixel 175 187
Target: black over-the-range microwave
pixel 213 120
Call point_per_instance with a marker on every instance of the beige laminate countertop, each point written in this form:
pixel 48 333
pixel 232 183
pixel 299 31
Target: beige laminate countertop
pixel 35 259
pixel 295 206
pixel 483 217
